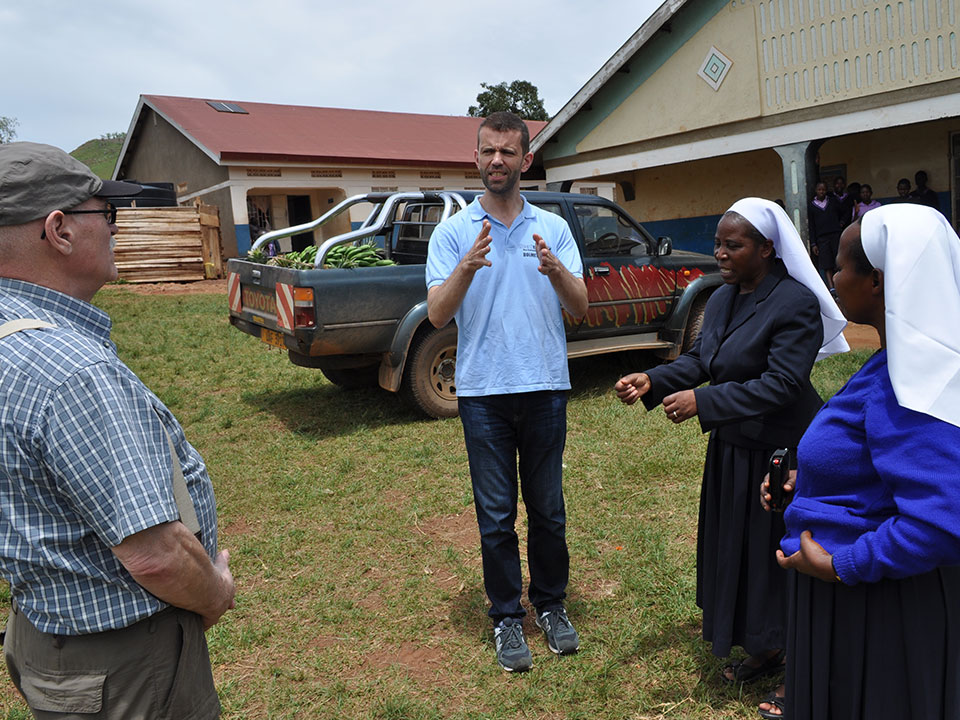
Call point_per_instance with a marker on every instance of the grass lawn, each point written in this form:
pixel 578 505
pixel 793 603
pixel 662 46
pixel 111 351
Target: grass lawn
pixel 353 541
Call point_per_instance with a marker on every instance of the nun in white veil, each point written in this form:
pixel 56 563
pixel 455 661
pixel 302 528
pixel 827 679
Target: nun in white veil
pixel 874 528
pixel 762 332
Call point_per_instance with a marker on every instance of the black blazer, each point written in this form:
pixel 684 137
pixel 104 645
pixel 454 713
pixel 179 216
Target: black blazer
pixel 824 222
pixel 759 366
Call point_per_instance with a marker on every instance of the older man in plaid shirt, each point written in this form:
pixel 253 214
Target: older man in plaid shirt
pixel 108 528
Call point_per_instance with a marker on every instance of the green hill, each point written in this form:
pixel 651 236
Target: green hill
pixel 101 155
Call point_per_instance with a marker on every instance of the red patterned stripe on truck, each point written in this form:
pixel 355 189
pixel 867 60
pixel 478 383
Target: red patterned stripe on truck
pixel 285 306
pixel 233 292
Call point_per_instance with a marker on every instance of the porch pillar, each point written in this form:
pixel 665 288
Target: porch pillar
pixel 800 175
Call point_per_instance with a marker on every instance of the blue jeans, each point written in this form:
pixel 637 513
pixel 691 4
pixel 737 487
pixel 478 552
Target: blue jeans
pixel 498 428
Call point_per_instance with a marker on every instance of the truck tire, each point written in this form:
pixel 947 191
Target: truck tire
pixel 429 380
pixel 353 378
pixel 694 322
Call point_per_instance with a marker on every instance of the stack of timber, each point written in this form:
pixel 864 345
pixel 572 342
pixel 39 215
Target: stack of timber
pixel 168 244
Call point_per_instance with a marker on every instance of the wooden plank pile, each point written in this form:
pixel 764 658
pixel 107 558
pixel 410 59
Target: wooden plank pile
pixel 168 244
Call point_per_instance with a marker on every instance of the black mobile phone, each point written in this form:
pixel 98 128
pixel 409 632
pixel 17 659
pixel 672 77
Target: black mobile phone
pixel 779 472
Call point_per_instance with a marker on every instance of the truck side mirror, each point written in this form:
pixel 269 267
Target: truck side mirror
pixel 664 246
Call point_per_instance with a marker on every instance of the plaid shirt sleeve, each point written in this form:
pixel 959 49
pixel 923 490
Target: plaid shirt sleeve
pixel 106 452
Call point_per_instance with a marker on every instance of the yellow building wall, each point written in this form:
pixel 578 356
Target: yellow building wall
pixel 788 55
pixel 676 99
pixel 877 157
pixel 703 187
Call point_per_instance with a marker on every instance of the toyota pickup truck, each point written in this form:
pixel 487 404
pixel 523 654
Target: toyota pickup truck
pixel 366 325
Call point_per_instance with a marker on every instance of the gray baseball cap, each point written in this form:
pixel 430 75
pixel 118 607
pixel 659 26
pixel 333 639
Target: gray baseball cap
pixel 36 179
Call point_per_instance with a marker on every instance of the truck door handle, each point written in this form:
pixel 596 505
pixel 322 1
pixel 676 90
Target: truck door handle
pixel 601 270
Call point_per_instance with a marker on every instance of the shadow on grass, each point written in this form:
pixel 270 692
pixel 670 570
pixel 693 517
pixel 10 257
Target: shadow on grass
pixel 677 645
pixel 468 613
pixel 330 411
pixel 595 376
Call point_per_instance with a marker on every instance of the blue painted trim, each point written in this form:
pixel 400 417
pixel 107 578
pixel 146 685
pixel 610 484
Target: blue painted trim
pixel 694 234
pixel 243 239
pixel 942 197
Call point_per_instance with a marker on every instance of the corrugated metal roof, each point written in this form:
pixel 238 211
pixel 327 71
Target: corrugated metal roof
pixel 294 133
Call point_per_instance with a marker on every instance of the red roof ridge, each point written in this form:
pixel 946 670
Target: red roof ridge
pixel 316 134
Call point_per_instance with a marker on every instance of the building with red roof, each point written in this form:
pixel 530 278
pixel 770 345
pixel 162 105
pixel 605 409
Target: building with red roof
pixel 270 166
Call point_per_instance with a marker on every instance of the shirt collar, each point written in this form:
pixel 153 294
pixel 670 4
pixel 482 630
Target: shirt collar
pixel 21 299
pixel 477 213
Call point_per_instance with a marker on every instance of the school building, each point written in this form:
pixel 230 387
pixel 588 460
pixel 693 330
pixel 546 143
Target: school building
pixel 713 100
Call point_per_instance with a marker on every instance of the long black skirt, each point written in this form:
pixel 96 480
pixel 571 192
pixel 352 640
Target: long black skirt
pixel 740 587
pixel 885 651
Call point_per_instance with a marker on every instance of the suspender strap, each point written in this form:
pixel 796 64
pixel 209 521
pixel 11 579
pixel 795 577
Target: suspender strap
pixel 188 513
pixel 8 328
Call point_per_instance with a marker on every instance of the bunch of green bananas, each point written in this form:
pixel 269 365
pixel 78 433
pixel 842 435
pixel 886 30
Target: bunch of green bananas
pixel 351 256
pixel 298 259
pixel 257 256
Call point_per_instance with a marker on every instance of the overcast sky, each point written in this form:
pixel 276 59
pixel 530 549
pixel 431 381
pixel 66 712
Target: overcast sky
pixel 73 70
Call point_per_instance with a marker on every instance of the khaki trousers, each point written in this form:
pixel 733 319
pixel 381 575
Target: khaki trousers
pixel 156 668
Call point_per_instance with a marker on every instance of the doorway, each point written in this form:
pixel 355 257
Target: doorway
pixel 298 212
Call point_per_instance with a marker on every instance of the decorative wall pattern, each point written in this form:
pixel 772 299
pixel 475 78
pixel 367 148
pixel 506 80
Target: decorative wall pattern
pixel 816 51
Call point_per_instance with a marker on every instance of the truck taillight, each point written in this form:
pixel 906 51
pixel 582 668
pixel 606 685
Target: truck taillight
pixel 304 315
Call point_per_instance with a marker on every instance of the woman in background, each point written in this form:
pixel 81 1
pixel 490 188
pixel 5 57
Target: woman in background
pixel 762 332
pixel 866 202
pixel 825 228
pixel 874 529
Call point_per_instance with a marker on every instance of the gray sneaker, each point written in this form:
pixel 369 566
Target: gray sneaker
pixel 561 637
pixel 512 651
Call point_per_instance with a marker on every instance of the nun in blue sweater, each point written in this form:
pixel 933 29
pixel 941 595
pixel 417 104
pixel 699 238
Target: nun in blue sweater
pixel 874 528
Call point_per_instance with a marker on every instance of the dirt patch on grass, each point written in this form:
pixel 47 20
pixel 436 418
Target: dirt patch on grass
pixel 421 663
pixel 238 527
pixel 861 337
pixel 458 531
pixel 199 287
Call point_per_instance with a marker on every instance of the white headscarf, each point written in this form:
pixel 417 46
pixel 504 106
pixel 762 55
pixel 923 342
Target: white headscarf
pixel 775 225
pixel 919 254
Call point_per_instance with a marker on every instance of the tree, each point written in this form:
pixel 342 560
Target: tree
pixel 519 97
pixel 8 129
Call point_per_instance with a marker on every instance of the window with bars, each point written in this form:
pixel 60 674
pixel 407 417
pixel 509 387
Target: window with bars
pixel 384 173
pixel 326 173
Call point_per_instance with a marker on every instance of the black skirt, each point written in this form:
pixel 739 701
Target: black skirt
pixel 740 587
pixel 885 651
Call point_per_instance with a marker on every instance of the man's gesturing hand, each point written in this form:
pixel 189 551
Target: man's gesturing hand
pixel 476 258
pixel 548 261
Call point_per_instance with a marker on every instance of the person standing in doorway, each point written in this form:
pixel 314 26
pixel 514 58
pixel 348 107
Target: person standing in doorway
pixel 825 228
pixel 924 195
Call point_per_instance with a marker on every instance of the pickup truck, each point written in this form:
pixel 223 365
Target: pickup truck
pixel 367 325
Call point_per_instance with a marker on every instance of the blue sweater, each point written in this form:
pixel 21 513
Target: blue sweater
pixel 878 484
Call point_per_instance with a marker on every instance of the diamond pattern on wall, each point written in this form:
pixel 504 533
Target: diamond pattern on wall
pixel 715 68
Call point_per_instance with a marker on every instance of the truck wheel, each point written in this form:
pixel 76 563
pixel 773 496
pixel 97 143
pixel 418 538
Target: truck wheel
pixel 694 322
pixel 429 379
pixel 353 378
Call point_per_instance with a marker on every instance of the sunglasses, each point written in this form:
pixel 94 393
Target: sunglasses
pixel 109 212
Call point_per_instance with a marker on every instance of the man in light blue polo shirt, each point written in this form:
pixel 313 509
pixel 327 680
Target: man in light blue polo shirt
pixel 503 269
